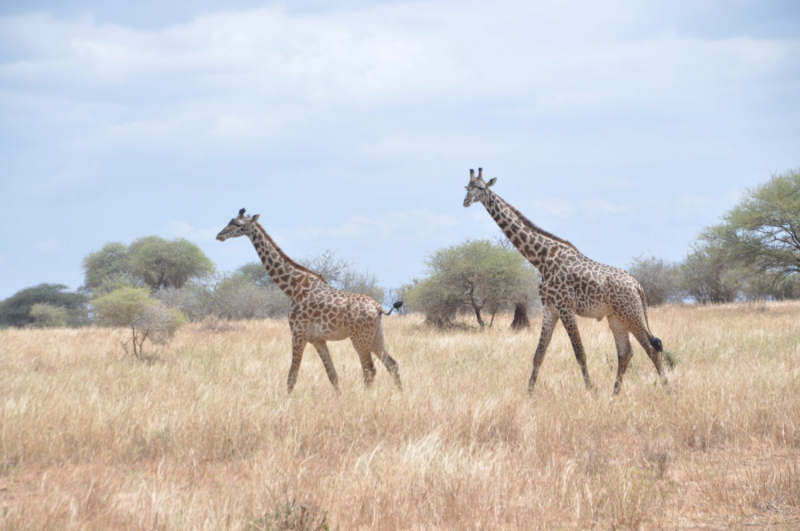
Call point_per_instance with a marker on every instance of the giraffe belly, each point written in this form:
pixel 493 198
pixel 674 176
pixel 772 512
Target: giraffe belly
pixel 597 310
pixel 326 332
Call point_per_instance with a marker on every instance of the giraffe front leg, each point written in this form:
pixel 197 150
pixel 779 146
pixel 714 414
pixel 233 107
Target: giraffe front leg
pixel 299 342
pixel 379 349
pixel 549 320
pixel 571 324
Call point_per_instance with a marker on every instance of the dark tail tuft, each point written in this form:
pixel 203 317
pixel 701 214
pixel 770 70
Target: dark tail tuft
pixel 657 344
pixel 666 356
pixel 395 306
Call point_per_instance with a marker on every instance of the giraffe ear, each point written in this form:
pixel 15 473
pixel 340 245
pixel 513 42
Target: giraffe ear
pixel 255 218
pixel 491 182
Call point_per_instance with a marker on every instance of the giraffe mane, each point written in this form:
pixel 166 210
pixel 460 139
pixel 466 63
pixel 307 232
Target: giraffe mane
pixel 533 226
pixel 286 257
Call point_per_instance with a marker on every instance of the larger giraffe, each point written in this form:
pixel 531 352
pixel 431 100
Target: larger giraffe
pixel 319 312
pixel 572 284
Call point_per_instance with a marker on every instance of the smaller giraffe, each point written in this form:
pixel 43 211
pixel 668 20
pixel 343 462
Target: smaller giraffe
pixel 319 312
pixel 572 284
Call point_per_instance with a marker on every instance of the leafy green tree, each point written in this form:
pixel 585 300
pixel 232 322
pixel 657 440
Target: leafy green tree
pixel 476 276
pixel 761 234
pixel 107 269
pixel 160 263
pixel 146 317
pixel 767 286
pixel 48 316
pixel 16 310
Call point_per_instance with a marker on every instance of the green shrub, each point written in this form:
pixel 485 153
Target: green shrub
pixel 48 316
pixel 146 317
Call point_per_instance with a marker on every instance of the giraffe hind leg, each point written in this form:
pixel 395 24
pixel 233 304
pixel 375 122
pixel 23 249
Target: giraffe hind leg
pixel 571 324
pixel 379 349
pixel 644 339
pixel 624 349
pixel 327 362
pixel 363 346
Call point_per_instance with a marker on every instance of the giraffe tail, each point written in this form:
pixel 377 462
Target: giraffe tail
pixel 653 339
pixel 396 306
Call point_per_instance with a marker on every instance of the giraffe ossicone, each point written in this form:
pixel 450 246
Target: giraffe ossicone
pixel 319 312
pixel 573 285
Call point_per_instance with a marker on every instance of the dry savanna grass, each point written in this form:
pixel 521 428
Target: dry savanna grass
pixel 206 438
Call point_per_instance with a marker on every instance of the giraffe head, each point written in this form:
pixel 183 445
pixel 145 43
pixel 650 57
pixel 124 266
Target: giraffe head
pixel 476 189
pixel 239 226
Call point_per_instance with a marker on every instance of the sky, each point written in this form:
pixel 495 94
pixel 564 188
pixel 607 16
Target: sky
pixel 623 126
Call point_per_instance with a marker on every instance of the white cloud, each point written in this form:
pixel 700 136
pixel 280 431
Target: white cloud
pixel 268 79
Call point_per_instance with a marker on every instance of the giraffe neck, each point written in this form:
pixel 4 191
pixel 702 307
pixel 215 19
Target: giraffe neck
pixel 537 245
pixel 285 272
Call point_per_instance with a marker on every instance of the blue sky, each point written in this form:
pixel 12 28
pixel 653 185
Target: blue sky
pixel 625 127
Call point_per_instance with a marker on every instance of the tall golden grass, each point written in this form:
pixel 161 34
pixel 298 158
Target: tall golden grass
pixel 206 438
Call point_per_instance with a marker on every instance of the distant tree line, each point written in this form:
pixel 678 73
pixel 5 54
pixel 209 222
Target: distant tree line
pixel 174 274
pixel 753 253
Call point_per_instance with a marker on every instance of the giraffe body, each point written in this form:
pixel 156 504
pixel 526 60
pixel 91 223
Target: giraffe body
pixel 573 285
pixel 319 312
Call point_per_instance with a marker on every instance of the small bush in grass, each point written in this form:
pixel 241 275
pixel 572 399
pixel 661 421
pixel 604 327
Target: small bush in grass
pixel 288 515
pixel 146 317
pixel 48 316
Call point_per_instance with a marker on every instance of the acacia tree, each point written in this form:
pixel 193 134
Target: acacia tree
pixel 107 268
pixel 160 263
pixel 476 276
pixel 761 234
